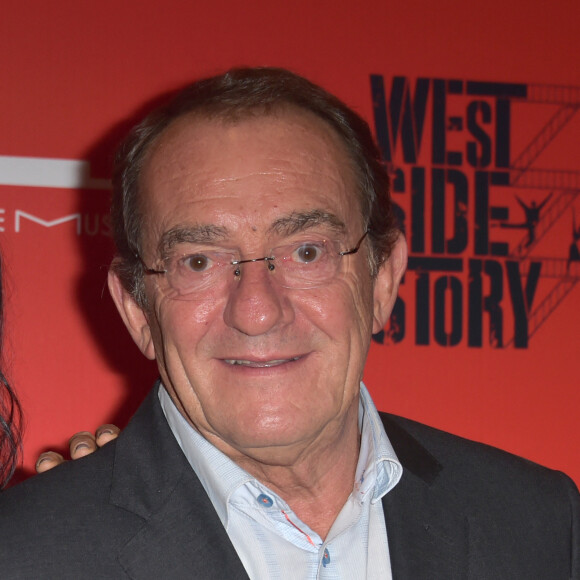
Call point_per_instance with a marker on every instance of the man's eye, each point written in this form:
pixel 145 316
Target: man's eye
pixel 308 253
pixel 196 263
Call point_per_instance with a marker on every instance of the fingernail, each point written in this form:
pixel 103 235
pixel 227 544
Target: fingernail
pixel 80 446
pixel 105 432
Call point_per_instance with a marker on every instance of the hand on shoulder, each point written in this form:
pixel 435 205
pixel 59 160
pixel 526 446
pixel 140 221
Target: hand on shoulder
pixel 80 444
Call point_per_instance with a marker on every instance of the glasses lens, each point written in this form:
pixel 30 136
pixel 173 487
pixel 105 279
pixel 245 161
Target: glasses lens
pixel 306 264
pixel 192 275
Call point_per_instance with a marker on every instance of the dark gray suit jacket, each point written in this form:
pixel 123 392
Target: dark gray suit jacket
pixel 136 509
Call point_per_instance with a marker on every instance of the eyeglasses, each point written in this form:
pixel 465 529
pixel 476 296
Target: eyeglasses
pixel 302 265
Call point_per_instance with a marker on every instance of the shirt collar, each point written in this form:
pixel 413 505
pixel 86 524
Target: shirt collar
pixel 378 469
pixel 377 456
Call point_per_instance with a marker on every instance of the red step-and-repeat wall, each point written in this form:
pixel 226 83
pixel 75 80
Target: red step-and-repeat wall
pixel 475 107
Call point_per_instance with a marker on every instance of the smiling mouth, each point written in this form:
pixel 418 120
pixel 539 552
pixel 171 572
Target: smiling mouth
pixel 260 364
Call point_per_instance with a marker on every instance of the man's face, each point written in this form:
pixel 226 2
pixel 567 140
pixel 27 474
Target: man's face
pixel 256 367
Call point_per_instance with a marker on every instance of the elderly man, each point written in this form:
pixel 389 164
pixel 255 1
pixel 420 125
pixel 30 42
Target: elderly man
pixel 256 255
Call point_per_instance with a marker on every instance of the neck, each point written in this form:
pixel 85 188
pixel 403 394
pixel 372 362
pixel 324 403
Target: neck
pixel 321 474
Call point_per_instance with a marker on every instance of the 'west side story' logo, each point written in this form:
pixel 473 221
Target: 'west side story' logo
pixel 477 217
pixel 477 204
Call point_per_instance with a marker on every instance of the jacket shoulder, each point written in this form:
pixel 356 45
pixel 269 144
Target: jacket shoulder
pixel 446 460
pixel 493 513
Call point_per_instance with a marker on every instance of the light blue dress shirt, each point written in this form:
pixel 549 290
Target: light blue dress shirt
pixel 269 538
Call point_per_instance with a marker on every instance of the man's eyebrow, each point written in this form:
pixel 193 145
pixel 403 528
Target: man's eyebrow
pixel 190 234
pixel 303 220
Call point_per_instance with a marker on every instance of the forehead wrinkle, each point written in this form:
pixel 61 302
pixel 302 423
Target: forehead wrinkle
pixel 190 234
pixel 303 220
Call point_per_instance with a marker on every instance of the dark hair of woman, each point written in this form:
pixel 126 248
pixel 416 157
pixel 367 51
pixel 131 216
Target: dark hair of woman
pixel 10 415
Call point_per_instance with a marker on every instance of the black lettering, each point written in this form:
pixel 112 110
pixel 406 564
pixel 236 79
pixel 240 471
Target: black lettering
pixel 438 211
pixel 380 115
pixel 458 242
pixel 438 130
pixel 422 309
pixel 477 304
pixel 481 158
pixel 482 245
pixel 502 133
pixel 402 116
pixel 417 209
pixel 442 285
pixel 503 93
pixel 522 298
pixel 481 221
pixel 396 326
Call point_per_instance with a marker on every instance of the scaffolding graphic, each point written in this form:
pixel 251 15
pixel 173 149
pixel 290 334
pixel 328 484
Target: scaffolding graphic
pixel 564 187
pixel 555 192
pixel 567 276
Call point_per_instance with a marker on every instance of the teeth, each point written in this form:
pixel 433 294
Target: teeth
pixel 260 364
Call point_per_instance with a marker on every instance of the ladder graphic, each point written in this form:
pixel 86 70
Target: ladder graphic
pixel 565 187
pixel 553 94
pixel 563 287
pixel 552 267
pixel 546 135
pixel 550 179
pixel 568 99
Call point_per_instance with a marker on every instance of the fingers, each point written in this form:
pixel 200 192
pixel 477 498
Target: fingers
pixel 48 460
pixel 82 444
pixel 106 433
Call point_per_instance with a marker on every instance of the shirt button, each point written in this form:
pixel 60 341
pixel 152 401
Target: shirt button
pixel 264 500
pixel 326 558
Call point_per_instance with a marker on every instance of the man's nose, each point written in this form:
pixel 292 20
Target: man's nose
pixel 256 304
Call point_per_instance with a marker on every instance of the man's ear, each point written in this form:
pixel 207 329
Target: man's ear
pixel 387 283
pixel 133 316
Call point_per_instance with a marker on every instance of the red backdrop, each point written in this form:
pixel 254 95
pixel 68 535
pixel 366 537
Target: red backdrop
pixel 474 104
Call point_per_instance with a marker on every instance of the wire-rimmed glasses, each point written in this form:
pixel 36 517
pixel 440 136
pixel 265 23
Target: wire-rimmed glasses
pixel 191 275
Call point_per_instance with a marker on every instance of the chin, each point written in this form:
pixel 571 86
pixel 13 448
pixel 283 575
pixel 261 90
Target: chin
pixel 274 432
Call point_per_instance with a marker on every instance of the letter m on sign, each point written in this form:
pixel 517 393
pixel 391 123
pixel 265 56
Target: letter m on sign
pixel 47 224
pixel 401 116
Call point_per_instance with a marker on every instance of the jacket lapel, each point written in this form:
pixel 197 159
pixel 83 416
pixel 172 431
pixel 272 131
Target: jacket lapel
pixel 427 540
pixel 184 539
pixel 181 535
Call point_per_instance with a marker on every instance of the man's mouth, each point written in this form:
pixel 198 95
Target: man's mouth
pixel 260 364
